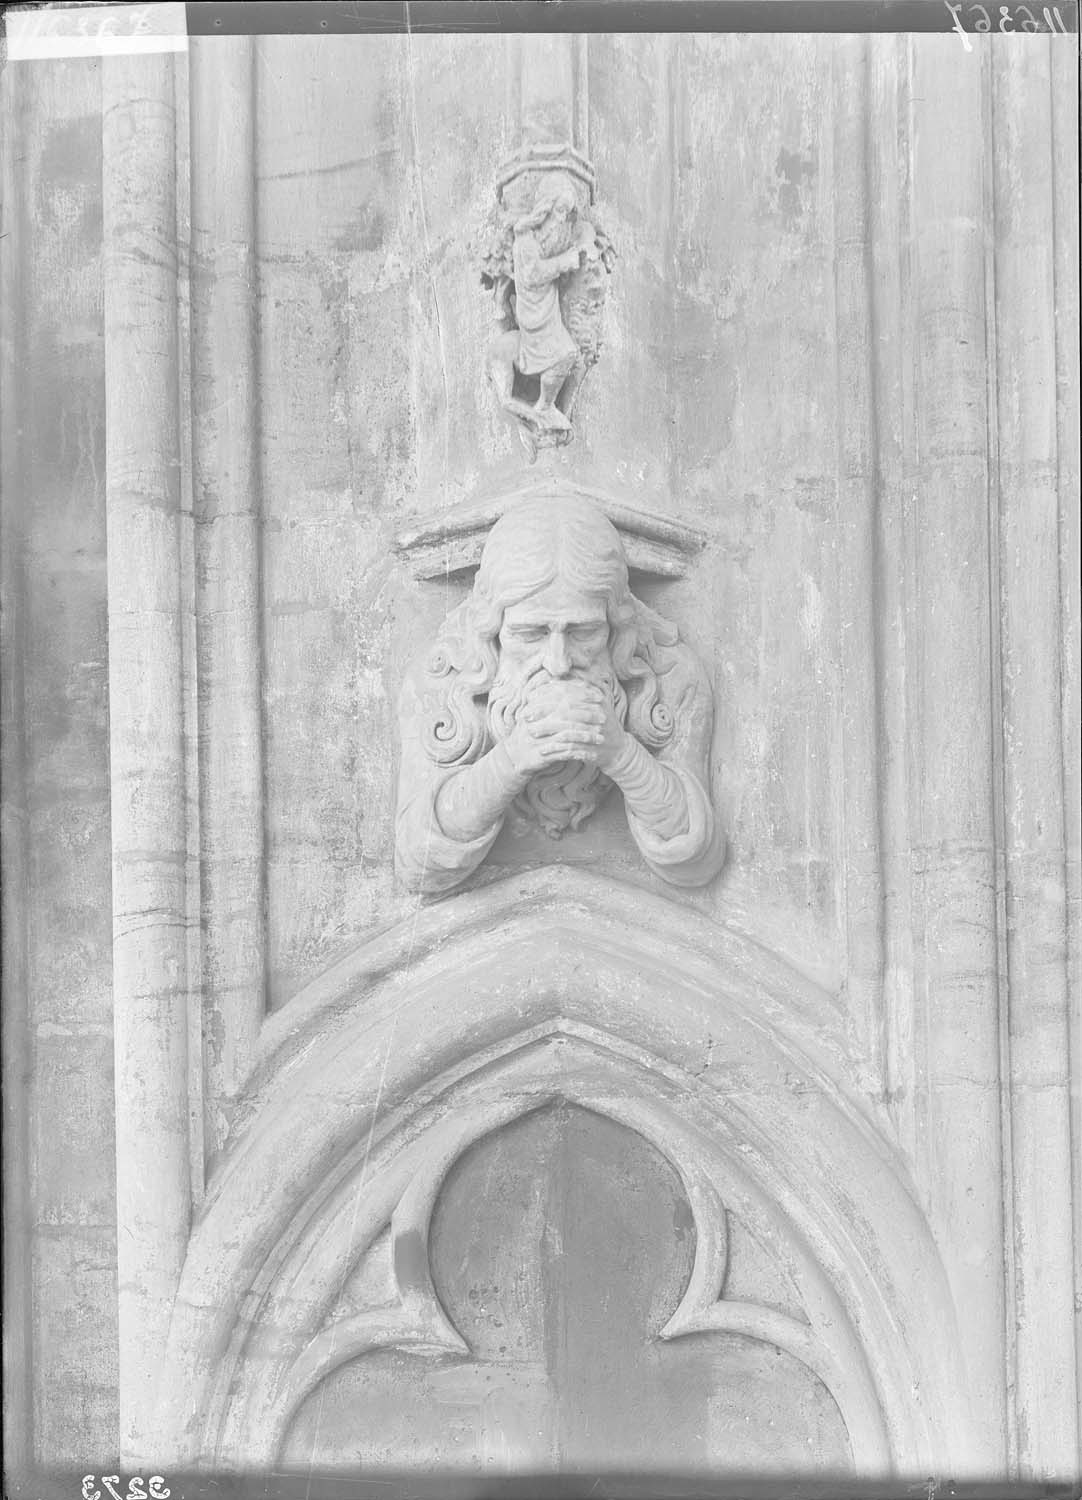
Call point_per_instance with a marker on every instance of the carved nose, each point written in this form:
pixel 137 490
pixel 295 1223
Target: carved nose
pixel 557 661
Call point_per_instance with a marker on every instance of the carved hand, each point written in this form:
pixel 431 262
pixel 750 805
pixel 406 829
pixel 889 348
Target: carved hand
pixel 615 740
pixel 569 719
pixel 558 723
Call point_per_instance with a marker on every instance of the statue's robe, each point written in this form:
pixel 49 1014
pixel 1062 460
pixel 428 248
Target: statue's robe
pixel 543 339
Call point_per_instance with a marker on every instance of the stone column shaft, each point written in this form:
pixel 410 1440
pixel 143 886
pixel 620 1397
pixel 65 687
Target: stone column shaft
pixel 225 463
pixel 146 721
pixel 953 713
pixel 858 558
pixel 548 87
pixel 889 215
pixel 14 813
pixel 1041 1175
pixel 1064 67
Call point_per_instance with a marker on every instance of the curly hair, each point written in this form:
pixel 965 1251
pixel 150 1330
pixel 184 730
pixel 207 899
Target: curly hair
pixel 529 547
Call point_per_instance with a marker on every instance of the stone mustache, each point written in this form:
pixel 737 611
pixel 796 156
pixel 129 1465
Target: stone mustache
pixel 547 686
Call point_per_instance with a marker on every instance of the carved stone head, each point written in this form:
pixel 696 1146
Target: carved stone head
pixel 553 214
pixel 551 598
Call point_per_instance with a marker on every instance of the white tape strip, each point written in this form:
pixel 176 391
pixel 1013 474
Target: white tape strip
pixel 94 30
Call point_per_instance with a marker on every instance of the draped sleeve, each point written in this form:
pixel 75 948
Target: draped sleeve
pixel 678 835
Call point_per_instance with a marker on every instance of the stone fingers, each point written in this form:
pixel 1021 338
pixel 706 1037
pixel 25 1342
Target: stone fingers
pixel 548 722
pixel 568 742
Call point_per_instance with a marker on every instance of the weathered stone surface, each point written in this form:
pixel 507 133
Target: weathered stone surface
pixel 558 984
pixel 147 767
pixel 546 260
pixel 58 1001
pixel 560 1248
pixel 571 1163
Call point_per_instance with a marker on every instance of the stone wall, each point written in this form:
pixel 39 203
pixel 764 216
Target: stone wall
pixel 61 1203
pixel 717 400
pixel 840 340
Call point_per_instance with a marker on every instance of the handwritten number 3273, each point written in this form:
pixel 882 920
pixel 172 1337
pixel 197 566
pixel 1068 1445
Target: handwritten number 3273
pixel 137 1488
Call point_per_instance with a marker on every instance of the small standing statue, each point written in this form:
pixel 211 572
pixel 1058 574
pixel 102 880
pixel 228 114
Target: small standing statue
pixel 546 264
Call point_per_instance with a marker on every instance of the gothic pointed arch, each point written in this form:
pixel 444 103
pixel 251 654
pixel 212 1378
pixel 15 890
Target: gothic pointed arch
pixel 559 984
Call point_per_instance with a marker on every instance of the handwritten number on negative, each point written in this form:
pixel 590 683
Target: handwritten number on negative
pixel 137 1488
pixel 1012 18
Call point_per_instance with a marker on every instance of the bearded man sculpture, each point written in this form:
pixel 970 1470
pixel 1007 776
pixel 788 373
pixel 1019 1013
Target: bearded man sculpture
pixel 549 685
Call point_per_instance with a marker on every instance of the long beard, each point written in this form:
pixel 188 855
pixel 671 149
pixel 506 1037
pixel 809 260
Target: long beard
pixel 565 794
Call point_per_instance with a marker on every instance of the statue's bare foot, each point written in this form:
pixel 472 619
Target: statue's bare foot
pixel 540 419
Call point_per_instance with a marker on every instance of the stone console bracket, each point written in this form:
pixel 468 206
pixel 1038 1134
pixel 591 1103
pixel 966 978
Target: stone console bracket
pixel 655 545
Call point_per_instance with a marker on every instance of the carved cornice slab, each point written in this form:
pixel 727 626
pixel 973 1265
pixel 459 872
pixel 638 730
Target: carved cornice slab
pixel 655 545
